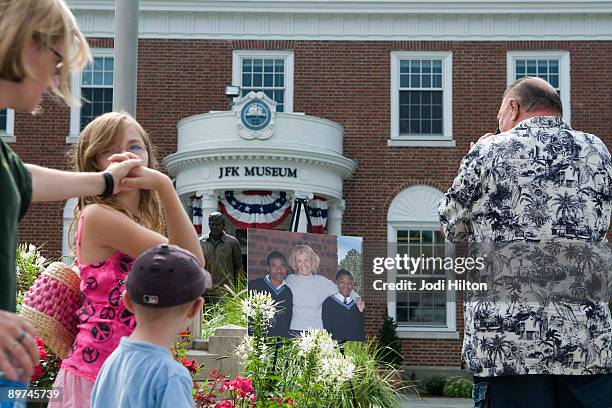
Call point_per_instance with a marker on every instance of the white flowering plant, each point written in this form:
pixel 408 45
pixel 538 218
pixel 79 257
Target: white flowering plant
pixel 309 371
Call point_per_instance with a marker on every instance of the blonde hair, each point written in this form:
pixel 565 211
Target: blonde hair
pixel 46 22
pixel 99 135
pixel 304 249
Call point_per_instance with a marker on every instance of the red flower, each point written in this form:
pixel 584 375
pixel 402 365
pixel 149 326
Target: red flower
pixel 244 384
pixel 225 404
pixel 215 374
pixel 37 372
pixel 191 365
pixel 185 333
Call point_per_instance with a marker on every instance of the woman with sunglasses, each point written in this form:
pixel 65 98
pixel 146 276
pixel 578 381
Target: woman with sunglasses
pixel 40 47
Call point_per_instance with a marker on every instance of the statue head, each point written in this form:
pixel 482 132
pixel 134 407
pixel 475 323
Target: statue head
pixel 216 223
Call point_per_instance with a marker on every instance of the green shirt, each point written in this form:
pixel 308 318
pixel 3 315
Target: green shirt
pixel 15 197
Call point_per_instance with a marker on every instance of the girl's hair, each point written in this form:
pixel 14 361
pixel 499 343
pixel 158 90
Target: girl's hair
pixel 99 135
pixel 304 249
pixel 46 22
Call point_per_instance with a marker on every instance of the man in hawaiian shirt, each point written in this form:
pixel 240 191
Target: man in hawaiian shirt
pixel 540 194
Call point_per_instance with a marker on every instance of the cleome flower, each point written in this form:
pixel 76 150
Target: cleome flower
pixel 318 341
pixel 336 370
pixel 260 305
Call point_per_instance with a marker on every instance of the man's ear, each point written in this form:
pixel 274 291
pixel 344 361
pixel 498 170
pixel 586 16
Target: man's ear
pixel 514 107
pixel 195 307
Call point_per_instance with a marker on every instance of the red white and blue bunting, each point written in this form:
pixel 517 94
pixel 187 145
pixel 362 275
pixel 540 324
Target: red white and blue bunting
pixel 317 209
pixel 255 209
pixel 196 213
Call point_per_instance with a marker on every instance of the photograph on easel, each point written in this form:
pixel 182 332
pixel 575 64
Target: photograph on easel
pixel 315 280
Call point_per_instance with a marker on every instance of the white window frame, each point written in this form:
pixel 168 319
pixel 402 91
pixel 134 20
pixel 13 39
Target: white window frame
pixel 67 218
pixel 410 215
pixel 446 140
pixel 238 55
pixel 75 86
pixel 8 134
pixel 564 73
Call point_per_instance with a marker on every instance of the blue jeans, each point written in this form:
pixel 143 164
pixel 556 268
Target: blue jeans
pixel 543 391
pixel 5 385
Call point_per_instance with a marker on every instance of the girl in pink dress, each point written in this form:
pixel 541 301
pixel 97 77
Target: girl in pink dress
pixel 111 233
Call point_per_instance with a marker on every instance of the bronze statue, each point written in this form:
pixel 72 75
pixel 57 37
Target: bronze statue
pixel 222 254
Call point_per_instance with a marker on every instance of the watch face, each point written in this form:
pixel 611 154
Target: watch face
pixel 256 115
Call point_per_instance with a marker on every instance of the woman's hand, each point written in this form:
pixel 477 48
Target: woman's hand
pixel 18 351
pixel 360 304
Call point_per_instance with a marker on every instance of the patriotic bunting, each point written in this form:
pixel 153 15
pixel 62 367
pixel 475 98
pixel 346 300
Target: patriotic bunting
pixel 255 209
pixel 317 209
pixel 196 213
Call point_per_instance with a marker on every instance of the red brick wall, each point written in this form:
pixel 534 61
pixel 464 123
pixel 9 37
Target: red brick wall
pixel 344 81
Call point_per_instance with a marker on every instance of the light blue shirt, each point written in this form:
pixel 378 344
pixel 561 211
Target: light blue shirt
pixel 143 375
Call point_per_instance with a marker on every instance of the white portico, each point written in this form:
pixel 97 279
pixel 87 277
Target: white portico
pixel 253 147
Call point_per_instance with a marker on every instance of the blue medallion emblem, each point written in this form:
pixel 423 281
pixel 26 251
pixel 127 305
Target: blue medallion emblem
pixel 256 115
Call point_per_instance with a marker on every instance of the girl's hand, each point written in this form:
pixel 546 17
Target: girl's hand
pixel 121 166
pixel 145 178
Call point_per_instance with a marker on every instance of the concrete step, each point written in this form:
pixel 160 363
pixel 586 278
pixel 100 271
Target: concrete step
pixel 200 345
pixel 231 330
pixel 223 345
pixel 207 360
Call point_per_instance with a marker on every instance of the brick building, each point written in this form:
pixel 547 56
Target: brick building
pixel 376 104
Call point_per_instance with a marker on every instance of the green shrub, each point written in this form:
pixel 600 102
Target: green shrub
pixel 434 385
pixel 458 387
pixel 389 345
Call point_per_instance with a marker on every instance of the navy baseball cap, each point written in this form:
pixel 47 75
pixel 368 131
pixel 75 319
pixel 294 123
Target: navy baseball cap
pixel 166 276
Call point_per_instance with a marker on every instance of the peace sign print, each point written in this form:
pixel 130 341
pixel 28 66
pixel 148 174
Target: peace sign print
pixel 114 296
pixel 108 313
pixel 90 354
pixel 91 283
pixel 86 312
pixel 126 317
pixel 101 332
pixel 125 263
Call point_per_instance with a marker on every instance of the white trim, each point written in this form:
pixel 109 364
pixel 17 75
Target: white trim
pixel 67 218
pixel 359 6
pixel 421 143
pixel 8 134
pixel 358 20
pixel 564 73
pixel 75 86
pixel 447 95
pixel 237 55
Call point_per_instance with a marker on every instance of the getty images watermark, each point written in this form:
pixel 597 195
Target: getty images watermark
pixel 428 266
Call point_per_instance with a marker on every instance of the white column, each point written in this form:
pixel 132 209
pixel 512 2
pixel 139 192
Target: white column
pixel 126 55
pixel 335 210
pixel 210 204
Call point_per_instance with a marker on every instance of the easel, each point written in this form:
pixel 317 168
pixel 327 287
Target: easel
pixel 299 204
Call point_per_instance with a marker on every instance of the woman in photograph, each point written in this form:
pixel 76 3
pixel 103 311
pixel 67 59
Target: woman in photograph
pixel 309 289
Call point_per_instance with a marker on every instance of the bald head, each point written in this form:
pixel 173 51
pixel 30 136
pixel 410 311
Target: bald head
pixel 535 95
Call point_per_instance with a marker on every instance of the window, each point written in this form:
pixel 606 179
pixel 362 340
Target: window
pixel 414 229
pixel 267 71
pixel 421 308
pixel 94 87
pixel 551 66
pixel 421 98
pixel 7 118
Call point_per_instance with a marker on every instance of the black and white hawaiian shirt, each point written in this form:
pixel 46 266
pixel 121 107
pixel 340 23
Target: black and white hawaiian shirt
pixel 544 192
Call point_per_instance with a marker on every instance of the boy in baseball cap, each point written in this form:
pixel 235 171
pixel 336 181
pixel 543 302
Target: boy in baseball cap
pixel 163 290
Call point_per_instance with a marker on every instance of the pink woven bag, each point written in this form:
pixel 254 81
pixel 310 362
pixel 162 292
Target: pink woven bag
pixel 51 305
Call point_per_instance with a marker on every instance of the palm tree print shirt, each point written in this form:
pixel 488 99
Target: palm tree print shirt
pixel 543 192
